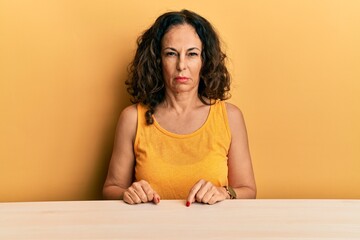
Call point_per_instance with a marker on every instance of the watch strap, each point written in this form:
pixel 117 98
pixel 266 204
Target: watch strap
pixel 231 192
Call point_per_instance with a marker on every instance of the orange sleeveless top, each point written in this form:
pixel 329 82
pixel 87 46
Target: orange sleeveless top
pixel 173 163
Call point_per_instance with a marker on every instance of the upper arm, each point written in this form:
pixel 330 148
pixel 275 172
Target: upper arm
pixel 239 160
pixel 122 161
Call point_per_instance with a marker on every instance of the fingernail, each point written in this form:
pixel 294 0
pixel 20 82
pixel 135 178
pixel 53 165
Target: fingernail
pixel 158 200
pixel 188 204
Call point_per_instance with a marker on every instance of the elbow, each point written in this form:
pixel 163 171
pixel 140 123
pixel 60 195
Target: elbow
pixel 112 192
pixel 247 192
pixel 105 193
pixel 254 193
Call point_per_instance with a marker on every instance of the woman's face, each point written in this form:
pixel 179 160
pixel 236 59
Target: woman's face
pixel 181 59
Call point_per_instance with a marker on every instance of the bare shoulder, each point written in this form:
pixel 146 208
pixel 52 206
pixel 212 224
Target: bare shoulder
pixel 128 121
pixel 234 113
pixel 236 120
pixel 129 114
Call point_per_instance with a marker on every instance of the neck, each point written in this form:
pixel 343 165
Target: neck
pixel 181 102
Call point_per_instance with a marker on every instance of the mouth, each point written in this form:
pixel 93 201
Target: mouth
pixel 181 79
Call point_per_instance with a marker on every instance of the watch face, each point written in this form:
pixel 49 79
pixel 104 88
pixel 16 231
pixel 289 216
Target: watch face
pixel 231 192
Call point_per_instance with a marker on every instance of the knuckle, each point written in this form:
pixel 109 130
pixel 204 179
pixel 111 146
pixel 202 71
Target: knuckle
pixel 127 199
pixel 146 188
pixel 192 190
pixel 137 200
pixel 143 198
pixel 130 190
pixel 150 197
pixel 208 184
pixel 137 187
pixel 143 182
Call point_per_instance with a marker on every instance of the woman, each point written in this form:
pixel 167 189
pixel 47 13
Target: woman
pixel 180 140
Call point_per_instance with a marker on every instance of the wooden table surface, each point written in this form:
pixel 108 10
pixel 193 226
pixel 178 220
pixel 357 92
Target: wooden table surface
pixel 171 219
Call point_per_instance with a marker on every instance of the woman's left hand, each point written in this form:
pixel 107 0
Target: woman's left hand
pixel 205 192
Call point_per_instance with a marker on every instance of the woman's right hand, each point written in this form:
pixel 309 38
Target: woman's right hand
pixel 140 192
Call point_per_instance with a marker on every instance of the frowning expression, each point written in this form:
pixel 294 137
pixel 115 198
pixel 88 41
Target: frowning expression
pixel 181 59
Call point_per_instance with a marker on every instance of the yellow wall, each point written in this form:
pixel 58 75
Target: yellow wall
pixel 296 76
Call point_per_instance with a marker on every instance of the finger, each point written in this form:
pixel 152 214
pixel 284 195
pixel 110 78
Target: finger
pixel 148 191
pixel 209 194
pixel 127 198
pixel 156 198
pixel 138 189
pixel 206 187
pixel 193 192
pixel 214 199
pixel 217 197
pixel 132 194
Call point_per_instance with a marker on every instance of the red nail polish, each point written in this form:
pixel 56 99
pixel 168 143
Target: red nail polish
pixel 187 203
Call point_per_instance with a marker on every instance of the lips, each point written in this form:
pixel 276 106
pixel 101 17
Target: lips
pixel 181 79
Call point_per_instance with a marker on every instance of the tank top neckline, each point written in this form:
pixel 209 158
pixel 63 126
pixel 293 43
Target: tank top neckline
pixel 197 131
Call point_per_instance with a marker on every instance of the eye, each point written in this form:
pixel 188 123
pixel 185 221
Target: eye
pixel 193 54
pixel 170 53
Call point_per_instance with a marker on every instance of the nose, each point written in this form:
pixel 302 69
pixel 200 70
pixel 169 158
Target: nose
pixel 181 63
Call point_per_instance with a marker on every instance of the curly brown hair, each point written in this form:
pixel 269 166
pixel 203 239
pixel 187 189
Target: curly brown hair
pixel 146 84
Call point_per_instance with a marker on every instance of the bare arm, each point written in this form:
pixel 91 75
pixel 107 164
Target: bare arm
pixel 241 176
pixel 121 168
pixel 240 173
pixel 119 182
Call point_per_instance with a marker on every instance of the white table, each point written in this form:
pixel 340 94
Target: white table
pixel 231 219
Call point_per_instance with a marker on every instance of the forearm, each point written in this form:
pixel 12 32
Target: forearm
pixel 245 193
pixel 113 192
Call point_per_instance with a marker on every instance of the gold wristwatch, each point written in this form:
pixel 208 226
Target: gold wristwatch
pixel 231 192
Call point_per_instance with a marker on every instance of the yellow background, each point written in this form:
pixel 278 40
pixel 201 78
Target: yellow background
pixel 296 76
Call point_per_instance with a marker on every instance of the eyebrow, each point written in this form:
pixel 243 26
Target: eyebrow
pixel 190 49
